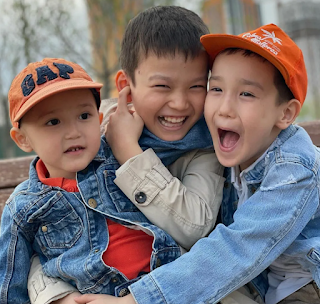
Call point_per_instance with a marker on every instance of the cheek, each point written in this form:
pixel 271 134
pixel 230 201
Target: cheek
pixel 208 109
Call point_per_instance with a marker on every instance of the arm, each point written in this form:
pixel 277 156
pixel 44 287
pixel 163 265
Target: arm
pixel 43 289
pixel 184 202
pixel 15 254
pixel 264 226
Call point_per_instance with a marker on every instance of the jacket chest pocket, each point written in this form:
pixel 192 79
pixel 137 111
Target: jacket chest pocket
pixel 59 225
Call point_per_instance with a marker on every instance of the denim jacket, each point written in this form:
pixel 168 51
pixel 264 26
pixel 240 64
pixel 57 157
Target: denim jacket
pixel 68 230
pixel 281 216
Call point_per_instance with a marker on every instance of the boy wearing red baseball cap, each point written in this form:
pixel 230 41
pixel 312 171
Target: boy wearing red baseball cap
pixel 269 236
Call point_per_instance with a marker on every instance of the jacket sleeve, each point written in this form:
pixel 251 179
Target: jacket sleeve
pixel 184 200
pixel 15 254
pixel 264 226
pixel 43 289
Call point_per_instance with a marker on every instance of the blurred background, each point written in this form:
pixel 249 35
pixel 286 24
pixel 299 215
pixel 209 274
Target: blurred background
pixel 89 32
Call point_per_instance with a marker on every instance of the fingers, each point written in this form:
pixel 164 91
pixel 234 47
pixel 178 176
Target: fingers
pixel 138 118
pixel 123 99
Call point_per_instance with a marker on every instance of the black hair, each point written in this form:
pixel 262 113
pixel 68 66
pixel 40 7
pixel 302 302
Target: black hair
pixel 97 97
pixel 284 93
pixel 161 30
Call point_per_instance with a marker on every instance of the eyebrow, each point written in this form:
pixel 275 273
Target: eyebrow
pixel 53 112
pixel 158 76
pixel 242 81
pixel 212 77
pixel 252 83
pixel 163 77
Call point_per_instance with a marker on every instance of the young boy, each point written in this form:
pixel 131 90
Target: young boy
pixel 64 222
pixel 270 207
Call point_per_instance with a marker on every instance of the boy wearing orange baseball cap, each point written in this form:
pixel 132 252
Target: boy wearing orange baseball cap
pixel 274 167
pixel 269 235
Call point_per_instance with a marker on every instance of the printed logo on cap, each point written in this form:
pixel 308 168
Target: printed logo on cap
pixel 266 41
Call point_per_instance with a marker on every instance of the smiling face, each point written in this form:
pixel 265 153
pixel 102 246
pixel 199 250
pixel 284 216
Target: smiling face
pixel 63 130
pixel 169 92
pixel 241 108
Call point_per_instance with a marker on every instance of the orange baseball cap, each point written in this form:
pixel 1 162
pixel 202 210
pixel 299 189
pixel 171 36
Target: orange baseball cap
pixel 272 43
pixel 42 79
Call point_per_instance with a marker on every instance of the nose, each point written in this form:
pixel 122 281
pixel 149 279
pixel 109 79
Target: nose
pixel 179 101
pixel 72 130
pixel 226 108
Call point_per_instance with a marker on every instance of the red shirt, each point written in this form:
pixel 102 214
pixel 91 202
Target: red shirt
pixel 129 250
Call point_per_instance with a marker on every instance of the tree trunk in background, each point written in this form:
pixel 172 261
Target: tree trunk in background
pixel 107 21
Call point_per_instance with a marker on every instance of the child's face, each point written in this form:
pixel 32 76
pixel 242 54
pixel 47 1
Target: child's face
pixel 169 93
pixel 240 108
pixel 64 131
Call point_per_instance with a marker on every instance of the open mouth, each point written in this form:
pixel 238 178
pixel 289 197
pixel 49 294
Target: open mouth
pixel 228 139
pixel 171 121
pixel 74 149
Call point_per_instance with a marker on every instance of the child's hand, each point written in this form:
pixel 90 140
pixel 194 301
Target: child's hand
pixel 69 299
pixel 104 299
pixel 124 130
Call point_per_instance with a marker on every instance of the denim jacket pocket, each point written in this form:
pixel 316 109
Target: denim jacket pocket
pixel 59 225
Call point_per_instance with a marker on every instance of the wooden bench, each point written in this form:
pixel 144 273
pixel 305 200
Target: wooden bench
pixel 14 171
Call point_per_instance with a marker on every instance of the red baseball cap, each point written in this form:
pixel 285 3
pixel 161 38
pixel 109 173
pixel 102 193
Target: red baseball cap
pixel 42 79
pixel 272 43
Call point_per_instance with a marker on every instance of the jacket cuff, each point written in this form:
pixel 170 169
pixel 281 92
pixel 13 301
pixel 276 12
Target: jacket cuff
pixel 143 173
pixel 145 291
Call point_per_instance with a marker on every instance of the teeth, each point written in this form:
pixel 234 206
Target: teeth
pixel 173 119
pixel 74 149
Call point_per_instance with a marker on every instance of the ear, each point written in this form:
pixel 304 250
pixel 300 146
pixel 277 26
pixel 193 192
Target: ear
pixel 20 138
pixel 100 117
pixel 289 112
pixel 122 80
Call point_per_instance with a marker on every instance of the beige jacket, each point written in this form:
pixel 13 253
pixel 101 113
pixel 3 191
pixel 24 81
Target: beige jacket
pixel 183 199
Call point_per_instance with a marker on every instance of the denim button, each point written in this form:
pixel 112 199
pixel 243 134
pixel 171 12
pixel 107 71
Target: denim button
pixel 123 292
pixel 114 280
pixel 44 228
pixel 140 197
pixel 92 203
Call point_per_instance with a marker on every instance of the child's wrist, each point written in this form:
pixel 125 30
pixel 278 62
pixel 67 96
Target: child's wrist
pixel 128 153
pixel 128 300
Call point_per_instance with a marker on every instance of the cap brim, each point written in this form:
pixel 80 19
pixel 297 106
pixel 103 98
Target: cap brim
pixel 54 88
pixel 216 43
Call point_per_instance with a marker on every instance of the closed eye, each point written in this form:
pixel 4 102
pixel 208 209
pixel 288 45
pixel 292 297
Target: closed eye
pixel 198 86
pixel 161 86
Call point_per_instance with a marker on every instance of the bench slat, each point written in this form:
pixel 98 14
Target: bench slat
pixel 14 171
